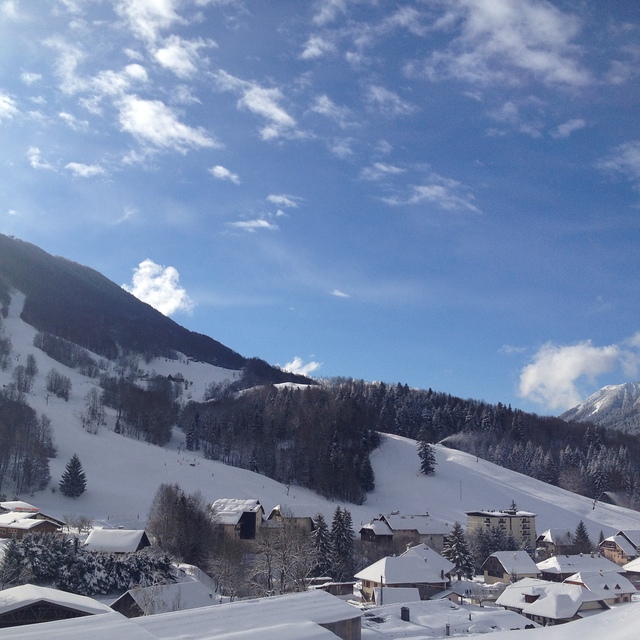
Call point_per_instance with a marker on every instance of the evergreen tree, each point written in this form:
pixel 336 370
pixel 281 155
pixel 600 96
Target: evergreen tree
pixel 581 540
pixel 73 482
pixel 367 477
pixel 427 458
pixel 342 537
pixel 322 546
pixel 457 551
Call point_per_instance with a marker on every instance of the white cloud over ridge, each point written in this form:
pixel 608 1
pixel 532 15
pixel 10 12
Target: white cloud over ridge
pixel 159 287
pixel 553 378
pixel 298 366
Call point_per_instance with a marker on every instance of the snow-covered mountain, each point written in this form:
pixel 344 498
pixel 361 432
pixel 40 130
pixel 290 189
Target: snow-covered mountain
pixel 615 406
pixel 123 474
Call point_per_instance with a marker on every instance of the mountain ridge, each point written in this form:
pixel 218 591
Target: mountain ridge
pixel 79 304
pixel 614 406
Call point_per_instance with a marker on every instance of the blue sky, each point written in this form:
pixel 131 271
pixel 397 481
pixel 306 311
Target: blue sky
pixel 442 193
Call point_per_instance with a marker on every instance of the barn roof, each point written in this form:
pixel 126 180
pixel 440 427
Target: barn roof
pixel 29 594
pixel 115 540
pixel 230 510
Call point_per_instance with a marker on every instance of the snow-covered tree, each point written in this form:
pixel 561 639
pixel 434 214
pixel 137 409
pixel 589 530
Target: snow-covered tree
pixel 427 458
pixel 457 551
pixel 342 543
pixel 322 546
pixel 581 540
pixel 73 482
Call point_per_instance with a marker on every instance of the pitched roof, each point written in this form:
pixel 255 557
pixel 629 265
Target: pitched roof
pixel 29 594
pixel 18 505
pixel 623 543
pixel 556 536
pixel 407 569
pixel 115 540
pixel 294 510
pixel 230 510
pixel 170 597
pixel 516 562
pixel 605 585
pixel 632 535
pixel 379 528
pixel 573 564
pixel 424 524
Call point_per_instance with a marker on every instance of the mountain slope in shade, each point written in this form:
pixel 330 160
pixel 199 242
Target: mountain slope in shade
pixel 615 406
pixel 79 304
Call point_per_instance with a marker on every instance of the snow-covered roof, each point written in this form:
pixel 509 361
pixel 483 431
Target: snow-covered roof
pixel 488 513
pixel 18 505
pixel 605 585
pixel 554 600
pixel 114 540
pixel 230 510
pixel 171 597
pixel 298 614
pixel 426 553
pixel 632 535
pixel 407 569
pixel 556 536
pixel 633 566
pixel 12 517
pixel 395 595
pixel 379 527
pixel 29 594
pixel 23 524
pixel 577 563
pixel 294 510
pixel 623 543
pixel 516 562
pixel 422 523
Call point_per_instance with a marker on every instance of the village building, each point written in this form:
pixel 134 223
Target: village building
pixel 418 568
pixel 520 524
pixel 559 568
pixel 300 515
pixel 17 524
pixel 239 519
pixel 554 542
pixel 613 587
pixel 116 540
pixel 28 604
pixel 509 566
pixel 406 529
pixel 550 603
pixel 622 547
pixel 632 572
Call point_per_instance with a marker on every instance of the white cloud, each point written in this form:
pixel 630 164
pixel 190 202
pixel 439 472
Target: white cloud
pixel 500 39
pixel 12 212
pixel 316 47
pixel 341 147
pixel 298 367
pixel 73 122
pixel 326 107
pixel 8 107
pixel 152 122
pixel 35 160
pixel 565 129
pixel 379 170
pixel 181 56
pixel 283 200
pixel 30 78
pixel 117 83
pixel 222 173
pixel 328 10
pixel 446 193
pixel 624 159
pixel 66 65
pixel 159 287
pixel 251 226
pixel 340 294
pixel 146 18
pixel 552 378
pixel 84 170
pixel 388 102
pixel 264 102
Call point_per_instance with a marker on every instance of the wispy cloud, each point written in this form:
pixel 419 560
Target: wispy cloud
pixel 251 226
pixel 264 102
pixel 326 107
pixel 154 123
pixel 446 193
pixel 625 160
pixel 388 102
pixel 222 173
pixel 380 170
pixel 180 56
pixel 73 122
pixel 85 170
pixel 30 78
pixel 339 294
pixel 499 41
pixel 328 10
pixel 565 129
pixel 283 200
pixel 317 47
pixel 8 107
pixel 299 367
pixel 36 161
pixel 159 287
pixel 147 18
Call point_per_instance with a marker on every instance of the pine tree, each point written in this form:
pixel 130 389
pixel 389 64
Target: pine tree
pixel 457 551
pixel 367 477
pixel 581 540
pixel 342 537
pixel 322 546
pixel 73 482
pixel 427 458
